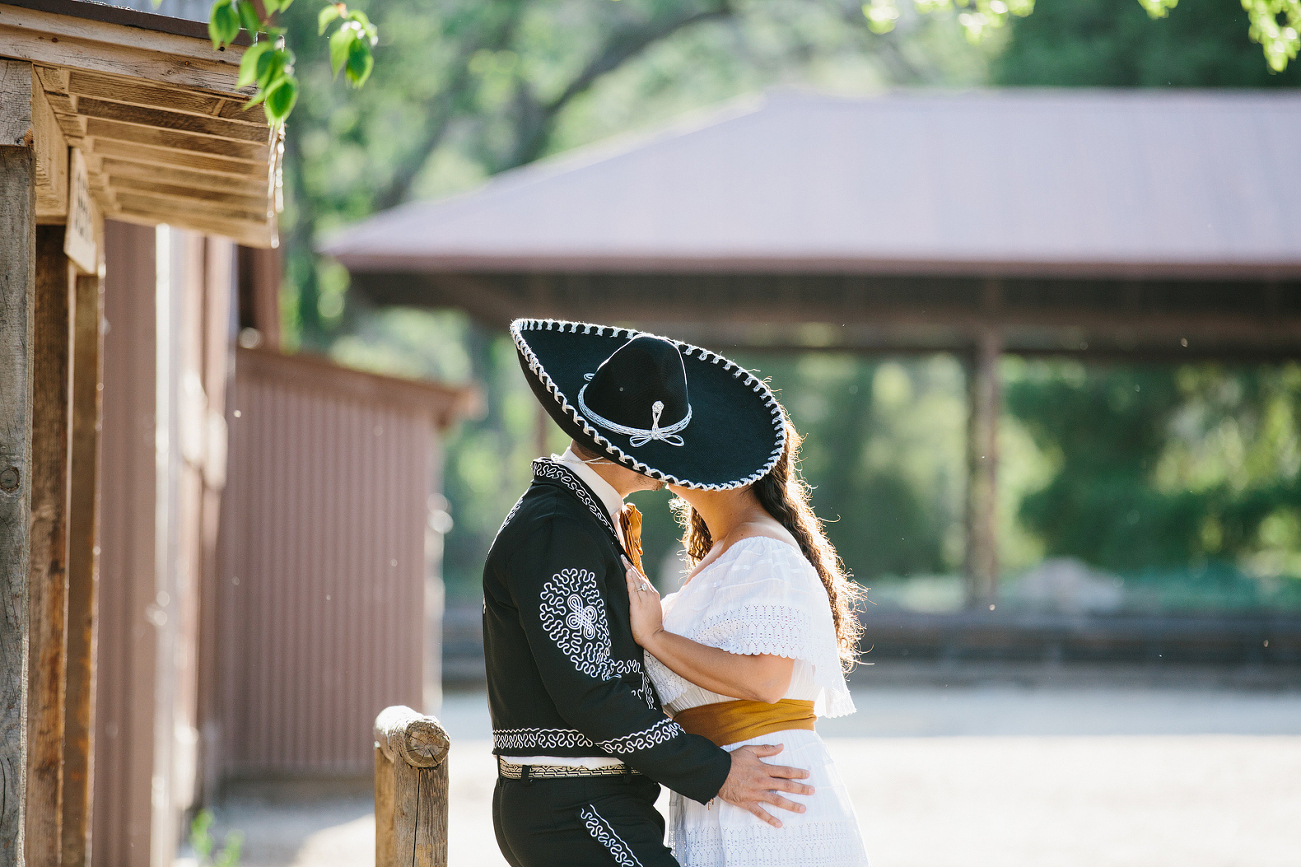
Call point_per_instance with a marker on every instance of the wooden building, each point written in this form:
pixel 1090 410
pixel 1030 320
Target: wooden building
pixel 1096 224
pixel 115 342
pixel 129 173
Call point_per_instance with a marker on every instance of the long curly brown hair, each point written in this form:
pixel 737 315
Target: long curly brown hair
pixel 784 494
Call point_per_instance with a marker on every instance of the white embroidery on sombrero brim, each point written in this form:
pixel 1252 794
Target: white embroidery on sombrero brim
pixel 758 386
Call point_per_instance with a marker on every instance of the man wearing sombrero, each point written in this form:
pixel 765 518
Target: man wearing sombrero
pixel 581 741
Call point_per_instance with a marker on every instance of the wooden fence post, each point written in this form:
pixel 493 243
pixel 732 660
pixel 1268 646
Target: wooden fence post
pixel 17 314
pixel 410 789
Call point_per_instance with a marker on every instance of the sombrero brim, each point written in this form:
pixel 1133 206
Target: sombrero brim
pixel 737 431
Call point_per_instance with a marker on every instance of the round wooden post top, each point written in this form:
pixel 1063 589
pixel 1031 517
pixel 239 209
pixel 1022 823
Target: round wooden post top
pixel 416 739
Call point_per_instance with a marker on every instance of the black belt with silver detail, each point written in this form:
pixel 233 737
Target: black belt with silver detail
pixel 512 771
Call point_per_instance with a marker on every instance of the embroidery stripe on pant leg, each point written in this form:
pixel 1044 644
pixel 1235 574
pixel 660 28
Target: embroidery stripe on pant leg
pixel 603 833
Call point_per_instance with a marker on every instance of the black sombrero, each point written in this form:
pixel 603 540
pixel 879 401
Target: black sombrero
pixel 667 409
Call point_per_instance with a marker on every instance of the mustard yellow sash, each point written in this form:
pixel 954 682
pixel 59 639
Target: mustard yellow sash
pixel 729 722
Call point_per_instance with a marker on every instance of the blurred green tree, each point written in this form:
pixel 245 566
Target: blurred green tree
pixel 1166 467
pixel 1113 43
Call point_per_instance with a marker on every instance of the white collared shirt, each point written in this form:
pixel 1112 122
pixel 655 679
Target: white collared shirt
pixel 613 503
pixel 610 498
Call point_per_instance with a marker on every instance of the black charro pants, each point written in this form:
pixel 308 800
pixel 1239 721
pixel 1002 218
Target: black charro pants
pixel 580 822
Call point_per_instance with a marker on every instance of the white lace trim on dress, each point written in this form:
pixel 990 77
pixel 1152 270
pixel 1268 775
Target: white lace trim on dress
pixel 816 844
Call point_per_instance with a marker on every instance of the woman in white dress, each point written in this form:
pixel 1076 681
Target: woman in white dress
pixel 750 651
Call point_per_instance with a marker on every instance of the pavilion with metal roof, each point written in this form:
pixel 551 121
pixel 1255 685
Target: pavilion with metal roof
pixel 1159 225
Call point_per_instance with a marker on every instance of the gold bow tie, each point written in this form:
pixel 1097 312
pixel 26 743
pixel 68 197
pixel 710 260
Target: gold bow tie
pixel 630 523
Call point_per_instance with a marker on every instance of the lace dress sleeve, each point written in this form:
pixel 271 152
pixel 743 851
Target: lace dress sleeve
pixel 767 599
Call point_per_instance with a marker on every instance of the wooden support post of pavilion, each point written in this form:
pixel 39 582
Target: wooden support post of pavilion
pixel 982 469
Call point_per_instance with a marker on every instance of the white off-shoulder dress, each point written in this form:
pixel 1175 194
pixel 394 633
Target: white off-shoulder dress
pixel 762 596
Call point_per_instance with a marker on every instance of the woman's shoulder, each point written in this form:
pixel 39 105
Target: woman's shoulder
pixel 760 558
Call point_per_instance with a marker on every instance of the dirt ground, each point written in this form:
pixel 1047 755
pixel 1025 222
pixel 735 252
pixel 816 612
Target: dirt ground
pixel 1043 776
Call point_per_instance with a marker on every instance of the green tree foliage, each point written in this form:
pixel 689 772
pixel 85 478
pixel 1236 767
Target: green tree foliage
pixel 1113 43
pixel 884 451
pixel 1166 467
pixel 1272 24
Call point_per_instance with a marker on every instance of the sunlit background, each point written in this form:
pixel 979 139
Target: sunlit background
pixel 1135 489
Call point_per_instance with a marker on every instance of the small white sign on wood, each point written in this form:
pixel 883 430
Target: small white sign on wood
pixel 79 239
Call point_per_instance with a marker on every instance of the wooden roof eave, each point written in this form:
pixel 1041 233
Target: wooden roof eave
pixel 157 115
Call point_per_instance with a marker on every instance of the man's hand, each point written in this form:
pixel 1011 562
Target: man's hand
pixel 752 782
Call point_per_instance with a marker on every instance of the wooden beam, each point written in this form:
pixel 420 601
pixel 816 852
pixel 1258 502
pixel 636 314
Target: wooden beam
pixel 47 617
pixel 982 471
pixel 116 88
pixel 249 234
pixel 17 294
pixel 96 46
pixel 117 170
pixel 51 161
pixel 54 81
pixel 83 572
pixel 171 139
pixel 73 126
pixel 178 159
pixel 173 120
pixel 233 109
pixel 197 197
pixel 167 211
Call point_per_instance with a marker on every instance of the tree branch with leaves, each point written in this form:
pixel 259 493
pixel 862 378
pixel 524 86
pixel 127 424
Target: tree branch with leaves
pixel 268 62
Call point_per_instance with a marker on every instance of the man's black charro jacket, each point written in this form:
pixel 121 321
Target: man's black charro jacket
pixel 565 677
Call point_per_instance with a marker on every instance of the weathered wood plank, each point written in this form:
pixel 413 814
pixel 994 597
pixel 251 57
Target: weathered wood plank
pixel 79 43
pixel 75 53
pixel 116 88
pixel 233 109
pixel 47 614
pixel 51 160
pixel 177 159
pixel 244 232
pixel 177 140
pixel 117 169
pixel 173 120
pixel 54 79
pixel 17 294
pixel 383 809
pixel 431 817
pixel 83 572
pixel 136 92
pixel 147 203
pixel 253 204
pixel 144 41
pixel 73 126
pixel 16 99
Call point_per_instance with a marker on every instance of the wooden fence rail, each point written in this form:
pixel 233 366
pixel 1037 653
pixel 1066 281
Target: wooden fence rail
pixel 410 789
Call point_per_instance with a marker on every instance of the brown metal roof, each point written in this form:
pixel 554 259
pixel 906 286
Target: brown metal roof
pixel 1031 182
pixel 444 404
